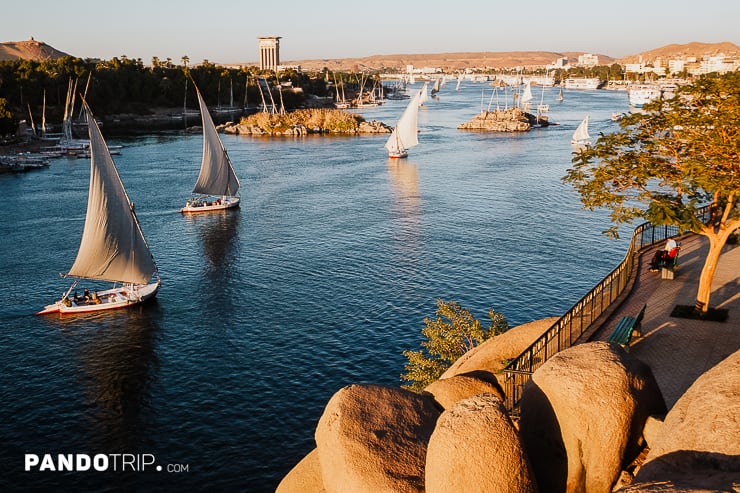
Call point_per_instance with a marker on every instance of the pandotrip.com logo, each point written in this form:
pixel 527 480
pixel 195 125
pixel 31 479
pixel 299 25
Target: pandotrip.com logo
pixel 98 463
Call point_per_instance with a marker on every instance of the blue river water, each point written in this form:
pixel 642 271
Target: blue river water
pixel 321 279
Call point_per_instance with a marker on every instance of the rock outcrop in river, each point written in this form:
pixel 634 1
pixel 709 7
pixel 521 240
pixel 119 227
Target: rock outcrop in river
pixel 509 120
pixel 304 122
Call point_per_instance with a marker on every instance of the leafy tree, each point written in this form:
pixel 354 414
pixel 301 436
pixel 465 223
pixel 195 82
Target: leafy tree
pixel 7 121
pixel 667 162
pixel 453 333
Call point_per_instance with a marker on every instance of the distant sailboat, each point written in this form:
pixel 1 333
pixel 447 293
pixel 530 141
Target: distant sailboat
pixel 526 97
pixel 217 186
pixel 113 247
pixel 435 86
pixel 341 102
pixel 68 144
pixel 423 94
pixel 581 136
pixel 405 134
pixel 542 108
pixel 560 95
pixel 43 118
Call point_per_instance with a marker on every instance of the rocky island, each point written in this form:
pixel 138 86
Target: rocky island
pixel 305 121
pixel 508 120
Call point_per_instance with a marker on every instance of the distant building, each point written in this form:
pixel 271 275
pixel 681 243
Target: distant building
pixel 588 60
pixel 269 47
pixel 717 63
pixel 676 66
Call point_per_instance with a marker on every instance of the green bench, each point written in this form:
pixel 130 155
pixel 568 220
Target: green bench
pixel 626 327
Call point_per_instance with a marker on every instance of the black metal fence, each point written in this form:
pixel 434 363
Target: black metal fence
pixel 563 333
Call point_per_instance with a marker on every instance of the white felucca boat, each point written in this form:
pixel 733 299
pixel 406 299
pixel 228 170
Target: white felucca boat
pixel 560 95
pixel 423 94
pixel 113 247
pixel 217 186
pixel 581 136
pixel 405 135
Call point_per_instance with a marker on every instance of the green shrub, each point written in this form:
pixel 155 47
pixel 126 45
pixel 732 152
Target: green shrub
pixel 450 335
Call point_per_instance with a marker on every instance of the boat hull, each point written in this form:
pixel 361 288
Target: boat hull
pixel 109 299
pixel 398 155
pixel 216 205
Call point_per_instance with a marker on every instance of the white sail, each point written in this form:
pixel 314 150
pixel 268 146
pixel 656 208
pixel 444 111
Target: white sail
pixel 423 95
pixel 581 136
pixel 435 87
pixel 68 109
pixel 405 134
pixel 217 175
pixel 112 247
pixel 527 93
pixel 43 117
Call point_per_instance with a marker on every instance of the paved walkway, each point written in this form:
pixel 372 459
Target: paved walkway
pixel 679 349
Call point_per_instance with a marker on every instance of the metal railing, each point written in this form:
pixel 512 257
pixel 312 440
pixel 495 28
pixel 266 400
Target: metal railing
pixel 566 330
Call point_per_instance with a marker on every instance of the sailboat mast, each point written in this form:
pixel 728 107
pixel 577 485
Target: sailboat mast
pixel 43 117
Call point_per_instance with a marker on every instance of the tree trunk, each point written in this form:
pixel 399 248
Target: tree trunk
pixel 717 241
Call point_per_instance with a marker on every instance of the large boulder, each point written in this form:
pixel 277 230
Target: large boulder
pixel 448 391
pixel 495 353
pixel 475 448
pixel 582 416
pixel 305 477
pixel 372 439
pixel 698 444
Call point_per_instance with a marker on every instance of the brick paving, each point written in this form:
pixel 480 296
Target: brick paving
pixel 679 350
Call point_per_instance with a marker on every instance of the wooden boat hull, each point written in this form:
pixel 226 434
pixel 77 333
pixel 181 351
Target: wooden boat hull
pixel 398 155
pixel 219 205
pixel 109 299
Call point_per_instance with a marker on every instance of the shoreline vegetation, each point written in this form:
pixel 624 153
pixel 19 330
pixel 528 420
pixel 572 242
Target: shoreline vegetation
pixel 325 121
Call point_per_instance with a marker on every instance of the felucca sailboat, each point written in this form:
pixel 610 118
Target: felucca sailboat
pixel 404 135
pixel 113 247
pixel 581 136
pixel 217 186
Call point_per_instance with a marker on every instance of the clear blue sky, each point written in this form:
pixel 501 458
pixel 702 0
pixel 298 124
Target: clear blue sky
pixel 225 31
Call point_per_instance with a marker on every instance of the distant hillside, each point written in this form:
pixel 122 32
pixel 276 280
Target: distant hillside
pixel 29 50
pixel 695 49
pixel 447 61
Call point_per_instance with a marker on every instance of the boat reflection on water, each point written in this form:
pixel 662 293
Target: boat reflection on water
pixel 118 370
pixel 403 177
pixel 218 232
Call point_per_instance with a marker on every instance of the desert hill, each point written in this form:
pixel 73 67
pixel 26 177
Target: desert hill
pixel 446 61
pixel 38 50
pixel 694 49
pixel 29 50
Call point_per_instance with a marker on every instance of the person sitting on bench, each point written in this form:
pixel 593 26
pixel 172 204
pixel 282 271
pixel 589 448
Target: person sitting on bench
pixel 665 256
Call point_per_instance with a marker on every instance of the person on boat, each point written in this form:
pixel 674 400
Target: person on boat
pixel 86 295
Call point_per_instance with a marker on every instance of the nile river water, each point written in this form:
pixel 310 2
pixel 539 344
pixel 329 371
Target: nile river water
pixel 321 279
